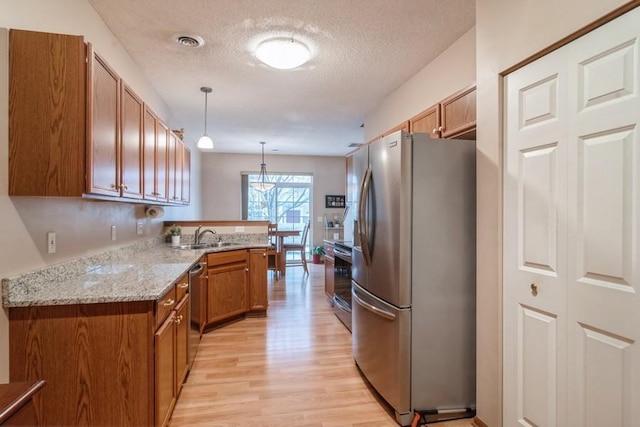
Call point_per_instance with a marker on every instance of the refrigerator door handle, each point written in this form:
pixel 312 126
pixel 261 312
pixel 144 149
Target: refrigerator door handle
pixel 373 309
pixel 362 217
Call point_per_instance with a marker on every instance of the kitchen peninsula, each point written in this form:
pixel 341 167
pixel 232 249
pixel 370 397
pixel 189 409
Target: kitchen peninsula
pixel 109 332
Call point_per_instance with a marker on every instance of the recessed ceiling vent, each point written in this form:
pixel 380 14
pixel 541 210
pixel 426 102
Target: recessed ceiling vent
pixel 189 40
pixel 354 145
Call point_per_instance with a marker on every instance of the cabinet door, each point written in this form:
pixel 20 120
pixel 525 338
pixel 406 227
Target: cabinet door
pixel 162 146
pixel 427 121
pixel 165 379
pixel 172 168
pixel 149 155
pixel 329 278
pixel 458 113
pixel 47 114
pixel 103 168
pixel 258 280
pixel 226 292
pixel 186 176
pixel 182 342
pixel 131 144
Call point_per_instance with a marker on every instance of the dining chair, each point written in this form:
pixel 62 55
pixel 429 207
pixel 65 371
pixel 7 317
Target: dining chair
pixel 273 252
pixel 299 247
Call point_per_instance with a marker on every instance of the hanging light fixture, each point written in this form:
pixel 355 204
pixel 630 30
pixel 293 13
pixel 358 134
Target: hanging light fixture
pixel 205 142
pixel 263 184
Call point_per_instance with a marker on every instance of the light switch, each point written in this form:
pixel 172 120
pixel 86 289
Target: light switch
pixel 51 242
pixel 139 228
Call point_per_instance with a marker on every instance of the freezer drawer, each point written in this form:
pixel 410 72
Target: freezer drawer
pixel 381 347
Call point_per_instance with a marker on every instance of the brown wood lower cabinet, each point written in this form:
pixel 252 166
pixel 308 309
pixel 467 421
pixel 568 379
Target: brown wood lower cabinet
pixel 235 285
pixel 329 270
pixel 258 301
pixel 16 403
pixel 105 364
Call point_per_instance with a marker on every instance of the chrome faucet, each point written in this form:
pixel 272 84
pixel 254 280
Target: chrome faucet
pixel 198 234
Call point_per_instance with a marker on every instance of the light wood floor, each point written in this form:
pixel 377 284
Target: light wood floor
pixel 293 368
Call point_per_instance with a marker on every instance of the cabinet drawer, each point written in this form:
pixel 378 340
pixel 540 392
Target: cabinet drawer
pixel 222 258
pixel 164 306
pixel 182 287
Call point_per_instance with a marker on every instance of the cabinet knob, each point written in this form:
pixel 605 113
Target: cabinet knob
pixel 441 128
pixel 534 289
pixel 168 303
pixel 113 186
pixel 246 269
pixel 435 130
pixel 183 285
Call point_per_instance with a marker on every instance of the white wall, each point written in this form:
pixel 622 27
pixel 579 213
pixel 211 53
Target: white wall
pixel 507 32
pixel 82 226
pixel 450 72
pixel 221 197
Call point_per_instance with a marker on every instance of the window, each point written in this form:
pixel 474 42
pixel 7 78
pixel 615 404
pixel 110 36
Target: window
pixel 288 204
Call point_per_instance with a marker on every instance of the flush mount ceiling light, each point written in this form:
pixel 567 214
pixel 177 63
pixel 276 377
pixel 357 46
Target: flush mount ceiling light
pixel 283 53
pixel 262 184
pixel 205 142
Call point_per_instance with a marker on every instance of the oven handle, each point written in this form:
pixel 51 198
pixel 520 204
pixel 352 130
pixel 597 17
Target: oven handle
pixel 374 310
pixel 342 305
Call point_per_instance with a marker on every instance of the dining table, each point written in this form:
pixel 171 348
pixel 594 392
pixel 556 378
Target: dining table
pixel 280 236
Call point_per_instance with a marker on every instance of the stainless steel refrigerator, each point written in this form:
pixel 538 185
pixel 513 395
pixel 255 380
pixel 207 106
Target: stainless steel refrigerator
pixel 413 273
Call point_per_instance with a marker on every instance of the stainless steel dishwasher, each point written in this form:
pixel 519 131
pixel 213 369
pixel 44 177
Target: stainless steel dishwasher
pixel 195 303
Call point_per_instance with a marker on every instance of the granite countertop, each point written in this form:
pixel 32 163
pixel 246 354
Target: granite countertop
pixel 142 271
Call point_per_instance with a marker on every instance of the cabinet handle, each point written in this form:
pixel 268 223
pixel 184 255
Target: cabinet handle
pixel 264 255
pixel 125 187
pixel 246 269
pixel 168 303
pixel 155 194
pixel 534 289
pixel 441 128
pixel 435 130
pixel 178 319
pixel 113 186
pixel 183 285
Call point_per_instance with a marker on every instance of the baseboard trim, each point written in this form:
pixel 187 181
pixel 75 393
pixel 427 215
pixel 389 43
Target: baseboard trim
pixel 477 422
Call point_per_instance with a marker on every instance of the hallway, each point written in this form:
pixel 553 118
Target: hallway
pixel 293 368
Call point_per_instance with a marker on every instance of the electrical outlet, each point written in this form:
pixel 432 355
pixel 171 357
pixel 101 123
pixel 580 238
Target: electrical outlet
pixel 319 219
pixel 51 242
pixel 139 228
pixel 113 232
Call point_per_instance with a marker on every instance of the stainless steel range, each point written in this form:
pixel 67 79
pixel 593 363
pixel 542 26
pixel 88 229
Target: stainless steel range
pixel 342 282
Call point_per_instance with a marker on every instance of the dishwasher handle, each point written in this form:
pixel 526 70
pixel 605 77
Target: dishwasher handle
pixel 196 269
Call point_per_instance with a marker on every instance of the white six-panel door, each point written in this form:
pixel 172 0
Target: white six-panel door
pixel 572 234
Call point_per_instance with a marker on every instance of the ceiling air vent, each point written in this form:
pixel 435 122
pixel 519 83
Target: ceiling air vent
pixel 354 145
pixel 189 40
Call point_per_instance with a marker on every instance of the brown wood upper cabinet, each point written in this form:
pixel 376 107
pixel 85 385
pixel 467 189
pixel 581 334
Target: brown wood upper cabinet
pixel 454 117
pixel 179 170
pixel 47 110
pixel 114 133
pixel 76 129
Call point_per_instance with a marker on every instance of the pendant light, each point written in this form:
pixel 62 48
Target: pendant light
pixel 262 184
pixel 205 142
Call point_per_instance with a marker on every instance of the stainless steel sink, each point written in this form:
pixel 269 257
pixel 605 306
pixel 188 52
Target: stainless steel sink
pixel 206 245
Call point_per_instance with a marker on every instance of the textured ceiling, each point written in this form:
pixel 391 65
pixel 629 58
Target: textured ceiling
pixel 363 50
